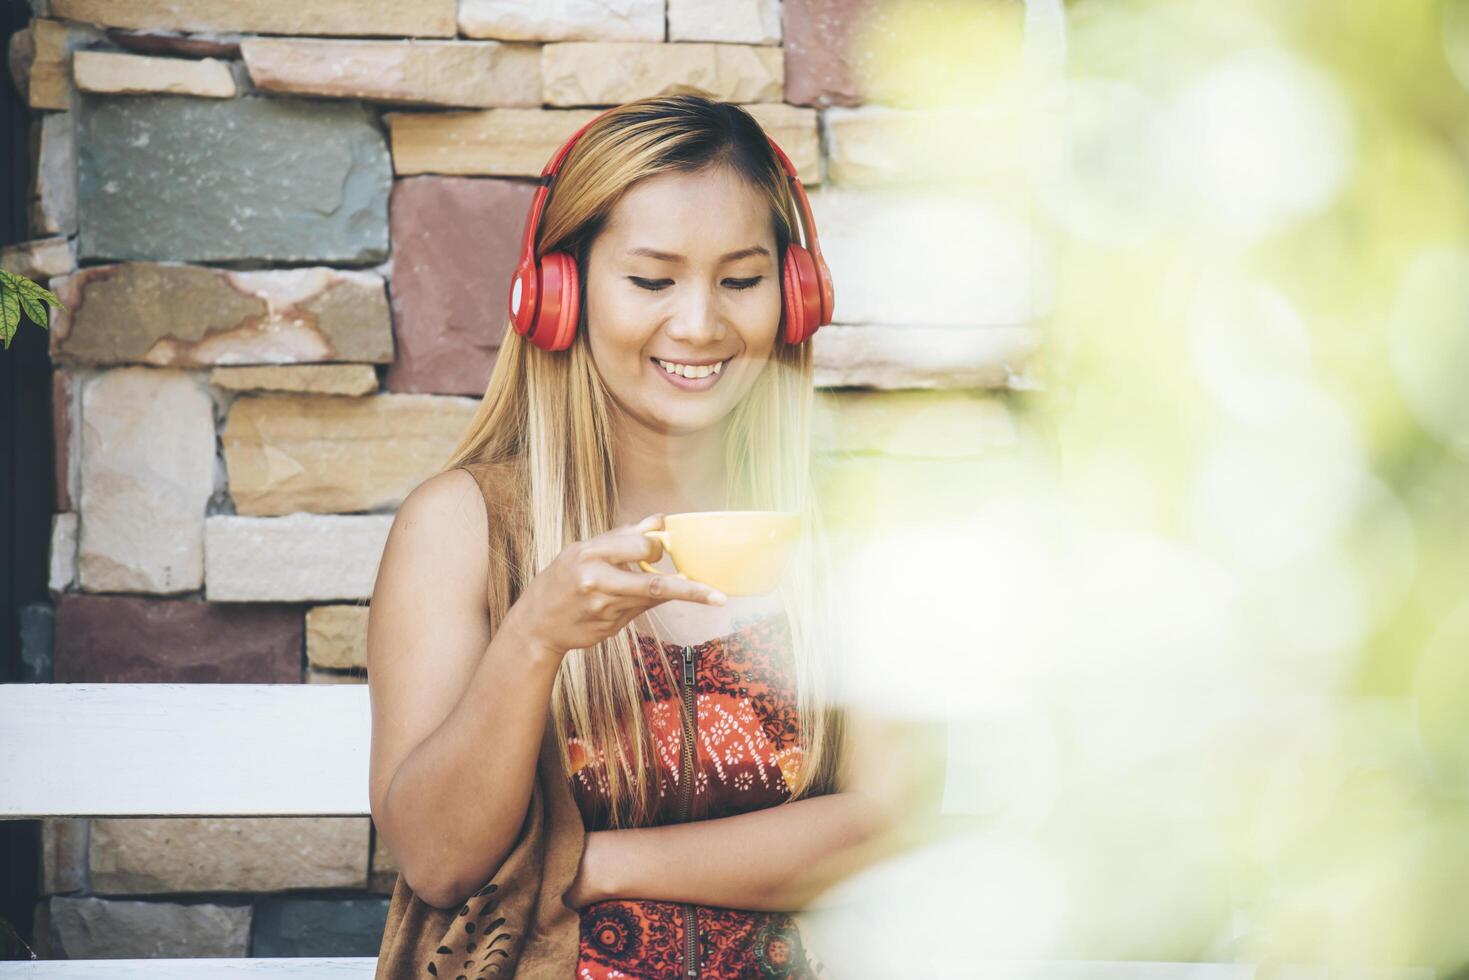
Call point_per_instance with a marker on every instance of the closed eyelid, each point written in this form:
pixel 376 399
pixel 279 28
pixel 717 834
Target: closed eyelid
pixel 747 282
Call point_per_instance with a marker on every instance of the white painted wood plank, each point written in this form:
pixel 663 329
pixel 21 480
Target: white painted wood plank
pixel 296 968
pixel 979 969
pixel 184 750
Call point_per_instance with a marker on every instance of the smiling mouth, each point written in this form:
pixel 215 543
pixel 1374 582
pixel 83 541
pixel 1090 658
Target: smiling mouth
pixel 691 372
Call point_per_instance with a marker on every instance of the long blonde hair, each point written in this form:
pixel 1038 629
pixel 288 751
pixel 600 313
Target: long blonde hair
pixel 548 413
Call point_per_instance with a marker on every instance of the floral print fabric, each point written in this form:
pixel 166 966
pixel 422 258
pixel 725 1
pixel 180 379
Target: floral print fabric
pixel 747 756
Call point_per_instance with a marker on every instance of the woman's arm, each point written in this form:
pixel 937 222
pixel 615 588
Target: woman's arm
pixel 781 857
pixel 765 859
pixel 442 688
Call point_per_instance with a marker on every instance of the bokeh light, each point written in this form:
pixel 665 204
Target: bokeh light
pixel 1199 637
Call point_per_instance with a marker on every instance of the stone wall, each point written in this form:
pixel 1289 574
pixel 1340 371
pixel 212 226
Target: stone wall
pixel 284 232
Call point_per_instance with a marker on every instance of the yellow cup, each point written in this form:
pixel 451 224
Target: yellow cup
pixel 739 552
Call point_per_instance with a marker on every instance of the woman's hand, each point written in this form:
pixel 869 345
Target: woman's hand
pixel 585 594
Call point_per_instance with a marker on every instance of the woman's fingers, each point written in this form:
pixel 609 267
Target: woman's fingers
pixel 639 585
pixel 624 547
pixel 646 524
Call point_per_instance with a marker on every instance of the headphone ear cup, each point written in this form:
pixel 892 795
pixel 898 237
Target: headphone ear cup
pixel 525 293
pixel 560 302
pixel 802 294
pixel 572 318
pixel 790 300
pixel 828 292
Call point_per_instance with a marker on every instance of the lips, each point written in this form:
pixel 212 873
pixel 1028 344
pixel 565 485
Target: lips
pixel 688 384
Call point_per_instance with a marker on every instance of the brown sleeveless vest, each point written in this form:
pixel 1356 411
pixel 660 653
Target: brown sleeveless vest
pixel 516 923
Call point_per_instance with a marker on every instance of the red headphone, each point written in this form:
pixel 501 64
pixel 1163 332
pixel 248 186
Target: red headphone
pixel 545 296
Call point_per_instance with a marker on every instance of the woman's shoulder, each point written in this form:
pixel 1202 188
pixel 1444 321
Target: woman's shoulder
pixel 502 483
pixel 509 469
pixel 446 500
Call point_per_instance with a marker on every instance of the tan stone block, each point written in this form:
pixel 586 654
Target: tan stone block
pixel 45 51
pixel 565 20
pixel 794 129
pixel 171 314
pixel 42 259
pixel 518 142
pixel 20 58
pixel 932 256
pixel 874 145
pixel 320 379
pixel 63 855
pixel 490 142
pixel 931 424
pixel 871 356
pixel 66 408
pixel 336 637
pixel 63 571
pixel 421 18
pixel 581 73
pixel 117 73
pixel 147 473
pixel 53 190
pixel 141 855
pixel 450 73
pixel 298 558
pixel 739 21
pixel 289 453
pixel 385 867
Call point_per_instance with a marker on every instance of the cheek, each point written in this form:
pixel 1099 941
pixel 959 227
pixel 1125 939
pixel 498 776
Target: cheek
pixel 617 327
pixel 762 338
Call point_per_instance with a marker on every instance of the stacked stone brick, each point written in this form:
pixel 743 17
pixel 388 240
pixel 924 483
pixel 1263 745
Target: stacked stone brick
pixel 283 231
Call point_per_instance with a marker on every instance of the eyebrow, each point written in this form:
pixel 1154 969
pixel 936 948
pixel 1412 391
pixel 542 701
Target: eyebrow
pixel 653 253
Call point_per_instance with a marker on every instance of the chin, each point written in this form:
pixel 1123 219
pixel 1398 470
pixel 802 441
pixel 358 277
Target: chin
pixel 684 425
pixel 682 420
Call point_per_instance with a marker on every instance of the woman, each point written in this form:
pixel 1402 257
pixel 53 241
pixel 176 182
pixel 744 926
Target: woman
pixel 678 213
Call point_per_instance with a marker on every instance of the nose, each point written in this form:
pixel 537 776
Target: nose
pixel 695 321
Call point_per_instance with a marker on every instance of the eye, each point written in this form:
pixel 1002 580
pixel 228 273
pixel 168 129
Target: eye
pixel 658 285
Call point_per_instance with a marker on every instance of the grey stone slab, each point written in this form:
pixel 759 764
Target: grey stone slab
pixel 37 642
pixel 97 928
pixel 173 177
pixel 318 926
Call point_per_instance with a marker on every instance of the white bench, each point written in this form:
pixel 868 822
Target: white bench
pixel 74 750
pixel 132 750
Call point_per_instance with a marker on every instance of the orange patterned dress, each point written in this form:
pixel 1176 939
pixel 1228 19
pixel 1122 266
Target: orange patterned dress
pixel 735 704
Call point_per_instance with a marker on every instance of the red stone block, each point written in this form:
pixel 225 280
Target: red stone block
pixel 820 63
pixel 61 389
pixel 456 241
pixel 132 639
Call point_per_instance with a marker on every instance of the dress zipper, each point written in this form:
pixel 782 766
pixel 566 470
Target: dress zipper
pixel 690 725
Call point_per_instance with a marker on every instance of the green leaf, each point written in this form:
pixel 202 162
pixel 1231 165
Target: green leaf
pixel 9 312
pixel 25 287
pixel 36 310
pixel 38 292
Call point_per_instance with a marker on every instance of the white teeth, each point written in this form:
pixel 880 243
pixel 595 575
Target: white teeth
pixel 690 371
